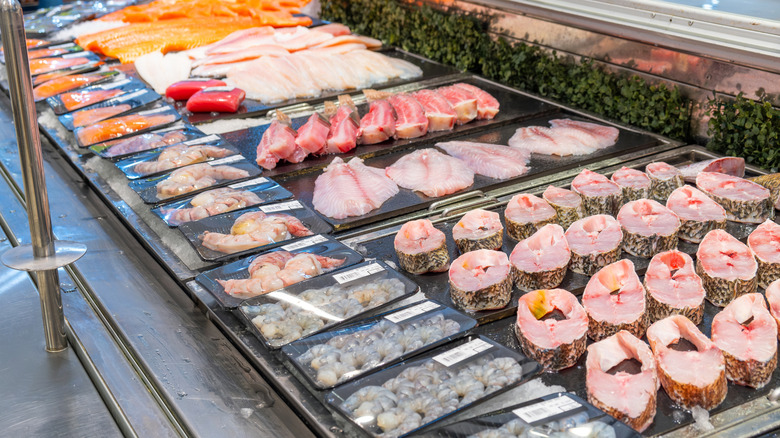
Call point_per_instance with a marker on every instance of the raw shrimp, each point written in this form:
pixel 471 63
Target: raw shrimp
pixel 211 203
pixel 370 394
pixel 332 373
pixel 389 349
pixel 467 388
pixel 398 421
pixel 424 404
pixel 178 156
pixel 400 386
pixel 255 229
pixel 196 177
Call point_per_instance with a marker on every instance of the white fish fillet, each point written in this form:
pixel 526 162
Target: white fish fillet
pixel 162 71
pixel 494 161
pixel 351 189
pixel 431 172
pixel 565 137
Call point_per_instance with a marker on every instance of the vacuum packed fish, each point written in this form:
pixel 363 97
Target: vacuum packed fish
pixel 253 230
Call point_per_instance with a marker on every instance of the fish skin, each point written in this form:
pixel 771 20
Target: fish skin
pixel 634 184
pixel 648 228
pixel 525 214
pixel 493 161
pixel 599 195
pixel 481 280
pixel 772 183
pixel 764 242
pixel 478 229
pixel 351 189
pixel 566 203
pixel 431 172
pixel 733 166
pixel 743 200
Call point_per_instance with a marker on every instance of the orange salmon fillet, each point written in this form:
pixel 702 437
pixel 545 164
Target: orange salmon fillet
pixel 80 99
pixel 119 126
pixel 172 9
pixel 63 84
pixel 85 117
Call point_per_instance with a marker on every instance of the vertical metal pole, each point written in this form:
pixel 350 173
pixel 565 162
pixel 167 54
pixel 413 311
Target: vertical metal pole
pixel 27 137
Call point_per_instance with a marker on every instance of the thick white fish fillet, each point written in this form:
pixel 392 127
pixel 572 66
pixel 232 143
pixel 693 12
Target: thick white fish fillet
pixel 161 71
pixel 494 161
pixel 589 133
pixel 565 137
pixel 351 189
pixel 431 172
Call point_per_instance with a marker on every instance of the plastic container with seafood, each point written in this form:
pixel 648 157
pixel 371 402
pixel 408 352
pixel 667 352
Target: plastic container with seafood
pixel 193 179
pixel 277 269
pixel 234 197
pixel 63 63
pixel 114 107
pixel 235 234
pixel 339 356
pixel 416 393
pixel 553 415
pixel 127 125
pixel 304 309
pixel 159 138
pixel 88 96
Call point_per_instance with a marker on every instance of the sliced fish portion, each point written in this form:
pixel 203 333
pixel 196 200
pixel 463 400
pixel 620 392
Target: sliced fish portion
pixel 764 241
pixel 487 105
pixel 565 137
pixel 744 201
pixel 648 228
pixel 772 183
pixel 698 213
pixel 673 287
pixel 773 298
pixel 441 116
pixel 481 280
pixel 411 121
pixel 566 203
pixel 540 261
pixel 615 300
pixel 635 184
pixel 351 189
pixel 493 161
pixel 599 195
pixel 431 172
pixel 525 214
pixel 727 267
pixel 665 180
pixel 463 102
pixel 595 242
pixel 478 229
pixel 733 166
pixel 421 248
pixel 378 124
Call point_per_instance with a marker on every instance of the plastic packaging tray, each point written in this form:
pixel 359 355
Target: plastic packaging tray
pixel 179 133
pixel 135 101
pixel 159 110
pixel 102 76
pixel 91 60
pixel 122 84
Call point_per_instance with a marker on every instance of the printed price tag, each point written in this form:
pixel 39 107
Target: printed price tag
pixel 216 89
pixel 132 95
pixel 226 160
pixel 251 182
pixel 463 352
pixel 363 271
pixel 546 409
pixel 305 243
pixel 284 206
pixel 154 111
pixel 405 314
pixel 114 84
pixel 75 55
pixel 212 137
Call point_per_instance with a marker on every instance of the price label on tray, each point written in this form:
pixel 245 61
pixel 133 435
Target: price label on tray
pixel 546 409
pixel 251 182
pixel 405 314
pixel 154 111
pixel 462 353
pixel 283 206
pixel 226 160
pixel 114 84
pixel 304 243
pixel 62 46
pixel 363 271
pixel 212 137
pixel 132 95
pixel 74 55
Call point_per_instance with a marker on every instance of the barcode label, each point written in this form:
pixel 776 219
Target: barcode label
pixel 61 46
pixel 284 206
pixel 218 89
pixel 305 242
pixel 463 352
pixel 251 182
pixel 154 111
pixel 363 271
pixel 202 140
pixel 227 160
pixel 75 55
pixel 132 95
pixel 405 314
pixel 546 409
pixel 114 84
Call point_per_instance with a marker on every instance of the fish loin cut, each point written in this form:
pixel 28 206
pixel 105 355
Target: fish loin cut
pixel 648 228
pixel 747 334
pixel 599 195
pixel 431 172
pixel 278 143
pixel 595 242
pixel 540 261
pixel 698 213
pixel 378 124
pixel 764 241
pixel 744 201
pixel 478 229
pixel 421 248
pixel 772 183
pixel 441 116
pixel 665 179
pixel 313 135
pixel 463 102
pixel 773 298
pixel 493 161
pixel 673 287
pixel 352 189
pixel 615 300
pixel 631 398
pixel 726 266
pixel 634 184
pixel 733 166
pixel 526 214
pixel 411 121
pixel 554 342
pixel 487 105
pixel 481 280
pixel 344 128
pixel 691 378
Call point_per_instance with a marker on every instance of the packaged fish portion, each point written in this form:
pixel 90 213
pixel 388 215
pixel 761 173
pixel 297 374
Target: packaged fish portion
pixel 113 107
pixel 164 159
pixel 49 65
pixel 125 126
pixel 183 90
pixel 338 356
pixel 216 99
pixel 54 51
pixel 59 74
pixel 85 97
pixel 160 138
pixel 63 84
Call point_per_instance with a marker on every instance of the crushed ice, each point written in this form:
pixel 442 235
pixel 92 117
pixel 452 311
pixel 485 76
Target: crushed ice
pixel 230 125
pixel 85 28
pixel 702 418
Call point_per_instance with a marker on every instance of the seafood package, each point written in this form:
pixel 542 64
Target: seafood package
pixel 52 51
pixel 113 107
pixel 199 150
pixel 277 269
pixel 179 133
pixel 192 179
pixel 82 98
pixel 554 415
pixel 125 126
pixel 416 393
pixel 222 200
pixel 63 63
pixel 339 356
pixel 60 74
pixel 304 309
pixel 72 82
pixel 234 234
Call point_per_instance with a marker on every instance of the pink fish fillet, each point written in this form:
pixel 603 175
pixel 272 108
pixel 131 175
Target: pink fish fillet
pixel 431 172
pixel 615 300
pixel 441 116
pixel 366 42
pixel 278 143
pixel 764 241
pixel 244 55
pixel 313 134
pixel 673 286
pixel 494 161
pixel 351 189
pixel 378 124
pixel 411 121
pixel 547 141
pixel 343 131
pixel 463 102
pixel 487 105
pixel 238 40
pixel 733 166
pixel 592 134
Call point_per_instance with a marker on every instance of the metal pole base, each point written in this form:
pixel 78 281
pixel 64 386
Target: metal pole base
pixel 21 258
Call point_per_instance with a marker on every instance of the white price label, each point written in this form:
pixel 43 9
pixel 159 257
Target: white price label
pixel 114 84
pixel 60 46
pixel 305 243
pixel 226 160
pixel 197 80
pixel 216 89
pixel 251 182
pixel 154 111
pixel 363 271
pixel 212 137
pixel 463 352
pixel 132 95
pixel 405 314
pixel 546 409
pixel 284 206
pixel 75 55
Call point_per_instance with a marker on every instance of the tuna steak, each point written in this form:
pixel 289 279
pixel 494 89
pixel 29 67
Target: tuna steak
pixel 727 267
pixel 421 248
pixel 615 300
pixel 594 242
pixel 648 228
pixel 772 183
pixel 567 204
pixel 634 184
pixel 478 229
pixel 540 261
pixel 599 195
pixel 552 327
pixel 526 214
pixel 693 376
pixel 747 335
pixel 481 280
pixel 697 212
pixel 729 165
pixel 764 241
pixel 628 396
pixel 744 201
pixel 673 288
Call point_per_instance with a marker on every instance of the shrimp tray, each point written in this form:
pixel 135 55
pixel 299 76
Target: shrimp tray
pixel 159 138
pixel 121 85
pixel 326 359
pixel 560 414
pixel 193 179
pixel 456 376
pixel 224 222
pixel 122 105
pixel 331 255
pixel 289 314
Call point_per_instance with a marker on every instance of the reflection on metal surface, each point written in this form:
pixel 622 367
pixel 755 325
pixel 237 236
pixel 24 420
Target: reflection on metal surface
pixel 22 258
